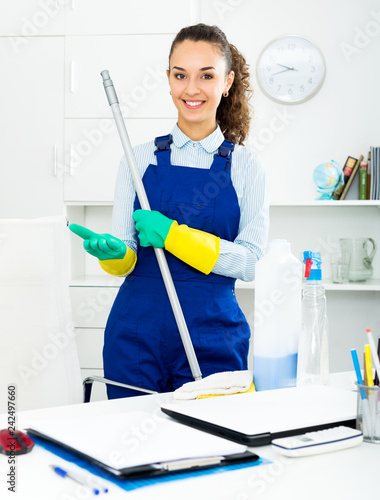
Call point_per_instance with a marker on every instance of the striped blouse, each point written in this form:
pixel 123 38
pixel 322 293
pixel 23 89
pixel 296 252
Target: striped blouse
pixel 237 259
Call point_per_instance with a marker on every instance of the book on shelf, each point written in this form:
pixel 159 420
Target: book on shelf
pixel 348 184
pixel 347 171
pixel 374 189
pixel 363 180
pixel 369 176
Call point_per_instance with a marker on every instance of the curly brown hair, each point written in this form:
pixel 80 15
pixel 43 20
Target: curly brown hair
pixel 234 112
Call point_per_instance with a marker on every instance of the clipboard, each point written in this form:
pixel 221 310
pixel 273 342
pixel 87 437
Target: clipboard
pixel 159 468
pixel 166 448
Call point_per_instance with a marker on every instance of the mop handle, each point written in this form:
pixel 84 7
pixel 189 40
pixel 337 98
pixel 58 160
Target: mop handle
pixel 143 199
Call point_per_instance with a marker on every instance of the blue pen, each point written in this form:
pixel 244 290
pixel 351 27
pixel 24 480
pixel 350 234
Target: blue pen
pixel 355 359
pixel 366 416
pixel 77 478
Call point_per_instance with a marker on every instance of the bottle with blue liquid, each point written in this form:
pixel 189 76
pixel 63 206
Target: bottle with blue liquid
pixel 313 352
pixel 277 320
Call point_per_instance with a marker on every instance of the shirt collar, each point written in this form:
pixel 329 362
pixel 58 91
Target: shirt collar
pixel 210 143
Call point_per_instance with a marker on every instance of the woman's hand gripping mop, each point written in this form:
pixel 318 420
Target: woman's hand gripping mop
pixel 218 383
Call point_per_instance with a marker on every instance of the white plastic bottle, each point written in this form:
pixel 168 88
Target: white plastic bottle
pixel 313 352
pixel 277 322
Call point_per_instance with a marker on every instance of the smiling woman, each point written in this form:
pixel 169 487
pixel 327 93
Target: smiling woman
pixel 209 212
pixel 198 77
pixel 211 68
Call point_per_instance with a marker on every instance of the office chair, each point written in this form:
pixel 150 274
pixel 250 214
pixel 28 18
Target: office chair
pixel 88 381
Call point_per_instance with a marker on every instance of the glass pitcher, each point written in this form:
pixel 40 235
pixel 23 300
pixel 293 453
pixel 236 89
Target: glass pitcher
pixel 361 261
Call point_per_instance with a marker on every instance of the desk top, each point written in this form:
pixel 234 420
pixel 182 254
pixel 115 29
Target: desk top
pixel 351 473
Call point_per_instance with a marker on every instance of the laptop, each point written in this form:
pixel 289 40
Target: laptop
pixel 256 418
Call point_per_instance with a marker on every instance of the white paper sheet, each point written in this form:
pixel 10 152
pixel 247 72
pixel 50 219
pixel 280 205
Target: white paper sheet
pixel 136 438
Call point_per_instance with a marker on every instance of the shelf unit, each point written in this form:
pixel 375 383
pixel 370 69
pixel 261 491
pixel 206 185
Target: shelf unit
pixel 310 225
pixel 77 210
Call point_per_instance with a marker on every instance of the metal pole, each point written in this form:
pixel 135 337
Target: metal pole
pixel 160 255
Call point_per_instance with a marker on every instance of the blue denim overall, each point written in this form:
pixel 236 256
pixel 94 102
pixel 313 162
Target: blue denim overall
pixel 142 345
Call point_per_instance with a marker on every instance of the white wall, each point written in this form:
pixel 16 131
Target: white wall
pixel 343 118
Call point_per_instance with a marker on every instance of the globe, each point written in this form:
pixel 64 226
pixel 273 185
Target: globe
pixel 327 177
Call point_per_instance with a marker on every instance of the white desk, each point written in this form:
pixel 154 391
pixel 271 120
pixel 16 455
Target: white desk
pixel 347 474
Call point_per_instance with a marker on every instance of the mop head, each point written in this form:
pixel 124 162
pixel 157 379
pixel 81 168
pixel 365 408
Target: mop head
pixel 218 384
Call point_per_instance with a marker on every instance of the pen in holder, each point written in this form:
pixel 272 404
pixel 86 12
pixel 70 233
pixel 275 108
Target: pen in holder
pixel 368 412
pixel 368 406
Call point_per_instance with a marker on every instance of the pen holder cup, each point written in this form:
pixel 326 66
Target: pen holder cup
pixel 368 412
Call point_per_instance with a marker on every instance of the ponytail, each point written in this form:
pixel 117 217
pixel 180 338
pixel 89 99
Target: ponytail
pixel 234 111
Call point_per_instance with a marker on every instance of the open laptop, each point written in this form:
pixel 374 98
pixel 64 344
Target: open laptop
pixel 257 418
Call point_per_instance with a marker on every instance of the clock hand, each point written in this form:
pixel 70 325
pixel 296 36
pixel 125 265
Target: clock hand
pixel 282 71
pixel 283 65
pixel 287 67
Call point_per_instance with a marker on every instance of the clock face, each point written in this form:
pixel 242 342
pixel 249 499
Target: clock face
pixel 290 69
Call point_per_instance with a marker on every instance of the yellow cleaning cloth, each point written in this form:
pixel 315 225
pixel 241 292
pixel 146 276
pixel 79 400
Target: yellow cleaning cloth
pixel 217 384
pixel 251 389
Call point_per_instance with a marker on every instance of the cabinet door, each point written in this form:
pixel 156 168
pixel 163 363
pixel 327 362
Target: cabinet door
pixel 90 347
pixel 137 66
pixel 100 17
pixel 31 128
pixel 91 305
pixel 93 150
pixel 31 18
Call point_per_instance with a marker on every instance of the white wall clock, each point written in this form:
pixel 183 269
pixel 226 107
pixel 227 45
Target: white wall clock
pixel 290 69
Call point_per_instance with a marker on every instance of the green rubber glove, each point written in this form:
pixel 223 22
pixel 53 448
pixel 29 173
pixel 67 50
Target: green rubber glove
pixel 102 246
pixel 153 227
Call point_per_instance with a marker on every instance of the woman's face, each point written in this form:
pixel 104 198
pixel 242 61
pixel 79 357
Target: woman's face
pixel 197 79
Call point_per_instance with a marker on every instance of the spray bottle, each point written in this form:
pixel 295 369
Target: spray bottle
pixel 313 354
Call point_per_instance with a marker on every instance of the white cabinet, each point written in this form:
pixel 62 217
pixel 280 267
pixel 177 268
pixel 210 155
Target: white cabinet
pixel 93 151
pixel 91 304
pixel 114 17
pixel 31 128
pixel 142 89
pixel 30 18
pixel 90 359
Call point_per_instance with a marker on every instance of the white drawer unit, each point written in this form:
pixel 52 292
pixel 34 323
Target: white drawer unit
pixel 142 89
pixel 91 305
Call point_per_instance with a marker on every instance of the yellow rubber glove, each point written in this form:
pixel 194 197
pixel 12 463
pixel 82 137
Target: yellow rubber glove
pixel 197 248
pixel 114 256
